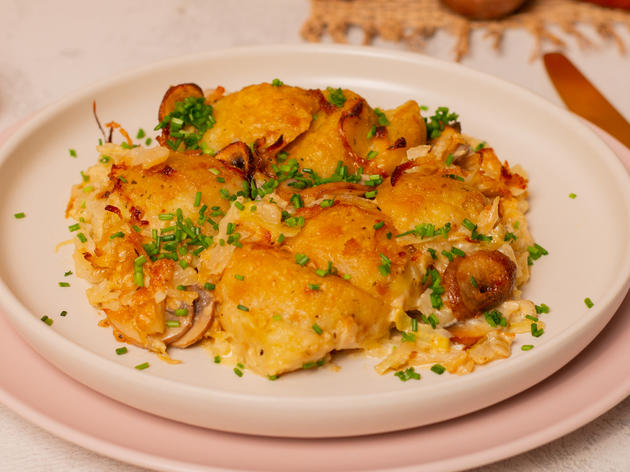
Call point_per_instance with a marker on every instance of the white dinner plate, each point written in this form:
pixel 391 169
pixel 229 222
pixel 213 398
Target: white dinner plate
pixel 586 238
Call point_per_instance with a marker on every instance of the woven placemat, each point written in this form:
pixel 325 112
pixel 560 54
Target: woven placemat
pixel 415 21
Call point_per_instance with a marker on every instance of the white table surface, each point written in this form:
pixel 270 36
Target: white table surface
pixel 49 49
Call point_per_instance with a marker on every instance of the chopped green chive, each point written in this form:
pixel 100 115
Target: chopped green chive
pixel 386 266
pixel 198 199
pixel 407 374
pixel 47 320
pixel 277 83
pixel 314 287
pixel 433 253
pixel 317 329
pixel 542 308
pixel 273 377
pixel 297 201
pixel 281 238
pixel 119 234
pixel 166 216
pixel 347 276
pixel 217 359
pixel 536 332
pixel 414 324
pixel 527 347
pixel 239 205
pixel 74 227
pixel 371 155
pixel 310 365
pixel 72 152
pixel 469 225
pixel 294 221
pixel 238 371
pixel 82 237
pixel 408 337
pixel 85 177
pixel 19 216
pixel 372 132
pixel 449 159
pixel 379 225
pixel 448 255
pixel 140 134
pixel 148 141
pixel 64 284
pixel 239 277
pixel 458 252
pixel 336 96
pixel 122 350
pixel 301 259
pixel 572 195
pixel 473 282
pixel 144 365
pixel 438 369
pixel 473 229
pixel 480 146
pixel 173 323
pixel 436 123
pixel 63 313
pixel 276 317
pixel 327 203
pixel 208 286
pixel 67 273
pixel 588 302
pixel 536 251
pixel 136 228
pixel 495 318
pixel 454 177
pixel 509 237
pixel 88 188
pixel 242 307
pixel 382 119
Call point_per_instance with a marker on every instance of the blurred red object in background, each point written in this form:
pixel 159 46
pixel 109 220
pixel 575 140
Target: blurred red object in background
pixel 484 9
pixel 612 3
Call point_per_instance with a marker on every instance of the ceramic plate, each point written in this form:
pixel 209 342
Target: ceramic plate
pixel 586 238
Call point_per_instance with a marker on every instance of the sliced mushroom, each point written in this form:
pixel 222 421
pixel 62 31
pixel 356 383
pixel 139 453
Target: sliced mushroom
pixel 478 282
pixel 177 93
pixel 237 155
pixel 203 311
pixel 123 332
pixel 174 333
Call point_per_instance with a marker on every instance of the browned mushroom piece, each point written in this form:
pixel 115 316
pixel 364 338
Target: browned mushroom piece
pixel 177 93
pixel 478 282
pixel 237 155
pixel 175 333
pixel 203 312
